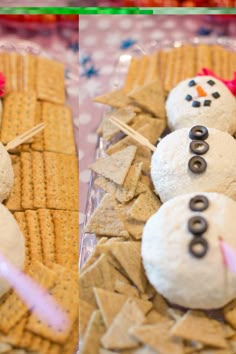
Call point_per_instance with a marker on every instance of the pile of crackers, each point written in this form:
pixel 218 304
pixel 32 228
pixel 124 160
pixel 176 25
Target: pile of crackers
pixel 44 201
pixel 120 311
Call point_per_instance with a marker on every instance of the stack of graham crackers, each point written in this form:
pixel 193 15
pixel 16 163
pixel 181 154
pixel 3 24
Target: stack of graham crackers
pixel 44 201
pixel 120 312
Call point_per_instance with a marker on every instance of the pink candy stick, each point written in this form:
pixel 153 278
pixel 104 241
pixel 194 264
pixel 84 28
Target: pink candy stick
pixel 231 84
pixel 228 254
pixel 37 299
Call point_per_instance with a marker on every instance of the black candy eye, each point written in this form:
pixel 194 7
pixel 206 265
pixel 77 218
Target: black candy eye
pixel 211 82
pixel 198 132
pixel 197 225
pixel 199 147
pixel 198 247
pixel 207 103
pixel 192 83
pixel 199 203
pixel 196 104
pixel 188 98
pixel 197 164
pixel 216 95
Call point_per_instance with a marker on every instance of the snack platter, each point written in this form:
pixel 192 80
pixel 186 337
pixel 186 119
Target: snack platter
pixel 108 321
pixel 36 197
pixel 88 241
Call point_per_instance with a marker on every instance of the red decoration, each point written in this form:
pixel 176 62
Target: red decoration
pixel 231 84
pixel 2 84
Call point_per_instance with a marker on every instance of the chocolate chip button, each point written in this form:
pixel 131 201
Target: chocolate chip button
pixel 197 225
pixel 191 83
pixel 199 147
pixel 198 247
pixel 199 203
pixel 198 132
pixel 196 104
pixel 197 164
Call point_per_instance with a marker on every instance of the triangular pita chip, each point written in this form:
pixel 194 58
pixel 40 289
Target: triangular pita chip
pixel 158 337
pixel 109 129
pixel 110 304
pixel 115 167
pixel 85 312
pixel 106 219
pixel 160 304
pixel 117 336
pixel 145 206
pixel 94 332
pixel 195 325
pixel 154 317
pixel 144 350
pixel 106 185
pixel 126 289
pixel 230 313
pixel 116 99
pixel 126 192
pixel 150 97
pixel 105 351
pixel 100 274
pixel 134 228
pixel 128 254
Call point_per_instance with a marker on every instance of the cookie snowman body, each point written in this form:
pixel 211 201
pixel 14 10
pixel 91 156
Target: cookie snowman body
pixel 172 176
pixel 202 100
pixel 184 279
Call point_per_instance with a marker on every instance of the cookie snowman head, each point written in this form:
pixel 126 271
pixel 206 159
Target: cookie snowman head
pixel 181 250
pixel 202 100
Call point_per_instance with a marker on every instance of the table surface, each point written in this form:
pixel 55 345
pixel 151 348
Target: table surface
pixel 102 40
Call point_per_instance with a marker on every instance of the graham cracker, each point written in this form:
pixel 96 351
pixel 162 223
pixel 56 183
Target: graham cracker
pixel 14 335
pixel 58 135
pixel 115 167
pixel 27 181
pixel 178 66
pixel 66 238
pixel 128 255
pixel 50 80
pixel 195 325
pixel 39 190
pixel 141 73
pixel 131 76
pixel 85 312
pixel 13 202
pixel 158 338
pixel 71 345
pixel 101 274
pixel 117 337
pixel 151 98
pixel 29 72
pixel 7 71
pixel 204 57
pixel 36 249
pixel 106 219
pixel 144 206
pixel 217 60
pixel 232 63
pixel 170 68
pixel 38 142
pixel 47 235
pixel 19 109
pixel 61 173
pixel 13 309
pixel 110 304
pixel 21 220
pixel 163 60
pixel 94 332
pixel 189 58
pixel 65 292
pixel 153 69
pixel 15 65
pixel 115 99
pixel 125 193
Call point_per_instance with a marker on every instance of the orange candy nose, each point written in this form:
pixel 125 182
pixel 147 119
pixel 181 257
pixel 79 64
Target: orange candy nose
pixel 200 91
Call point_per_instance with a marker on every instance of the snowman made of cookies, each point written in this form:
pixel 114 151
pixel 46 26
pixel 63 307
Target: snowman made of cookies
pixel 194 173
